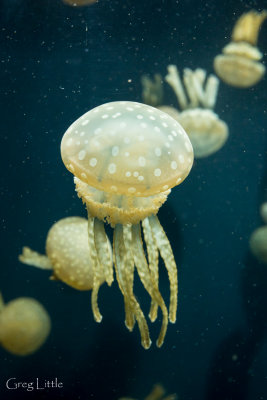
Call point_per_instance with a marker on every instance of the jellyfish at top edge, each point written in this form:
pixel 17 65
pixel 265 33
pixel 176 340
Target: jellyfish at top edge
pixel 79 3
pixel 24 325
pixel 239 64
pixel 258 243
pixel 158 393
pixel 125 158
pixel 68 254
pixel 197 99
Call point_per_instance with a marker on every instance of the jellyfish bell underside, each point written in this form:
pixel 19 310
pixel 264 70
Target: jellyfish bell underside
pixel 24 326
pixel 258 243
pixel 206 131
pixel 126 157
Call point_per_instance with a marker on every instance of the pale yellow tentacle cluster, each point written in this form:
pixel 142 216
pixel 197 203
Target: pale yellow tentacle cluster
pixel 128 254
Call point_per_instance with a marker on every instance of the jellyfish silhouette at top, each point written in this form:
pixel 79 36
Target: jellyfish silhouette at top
pixel 158 393
pixel 126 157
pixel 239 65
pixel 206 131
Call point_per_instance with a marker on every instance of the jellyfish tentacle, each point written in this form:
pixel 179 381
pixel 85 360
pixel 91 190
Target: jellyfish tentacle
pixel 166 253
pixel 211 91
pixel 35 259
pixel 122 250
pixel 174 80
pixel 152 252
pixel 247 26
pixel 96 269
pixel 148 279
pixel 103 251
pixel 188 78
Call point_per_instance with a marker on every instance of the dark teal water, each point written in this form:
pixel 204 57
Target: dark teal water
pixel 57 62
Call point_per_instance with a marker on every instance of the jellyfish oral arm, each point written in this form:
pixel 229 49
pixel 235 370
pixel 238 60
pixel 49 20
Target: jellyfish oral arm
pixel 194 85
pixel 152 92
pixel 35 259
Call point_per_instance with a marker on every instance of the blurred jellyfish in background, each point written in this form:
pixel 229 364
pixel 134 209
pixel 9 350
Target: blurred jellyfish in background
pixel 263 211
pixel 68 254
pixel 239 64
pixel 125 158
pixel 258 239
pixel 152 94
pixel 206 131
pixel 79 3
pixel 158 393
pixel 24 325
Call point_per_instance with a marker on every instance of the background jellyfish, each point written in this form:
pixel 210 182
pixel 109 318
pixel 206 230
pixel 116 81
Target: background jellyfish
pixel 158 393
pixel 258 238
pixel 24 325
pixel 68 255
pixel 126 157
pixel 196 99
pixel 152 90
pixel 239 64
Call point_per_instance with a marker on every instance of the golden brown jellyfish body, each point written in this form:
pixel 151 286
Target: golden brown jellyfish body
pixel 79 3
pixel 158 393
pixel 126 157
pixel 24 326
pixel 68 255
pixel 239 64
pixel 206 131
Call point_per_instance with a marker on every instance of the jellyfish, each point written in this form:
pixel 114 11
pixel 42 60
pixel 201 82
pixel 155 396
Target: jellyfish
pixel 239 64
pixel 67 254
pixel 125 158
pixel 206 131
pixel 79 3
pixel 263 211
pixel 24 325
pixel 258 243
pixel 158 393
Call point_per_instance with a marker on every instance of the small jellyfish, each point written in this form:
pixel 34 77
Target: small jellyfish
pixel 68 255
pixel 239 64
pixel 258 243
pixel 158 393
pixel 126 157
pixel 206 131
pixel 79 3
pixel 24 325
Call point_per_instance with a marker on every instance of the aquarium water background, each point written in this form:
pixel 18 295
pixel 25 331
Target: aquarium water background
pixel 57 62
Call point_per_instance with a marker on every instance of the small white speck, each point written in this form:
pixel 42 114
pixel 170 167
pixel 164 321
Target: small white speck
pixel 110 108
pixel 174 133
pixel 105 116
pixel 188 147
pixel 97 131
pixel 173 165
pixel 118 114
pixel 181 158
pixel 143 125
pixel 152 118
pixel 82 133
pixel 114 188
pixel 112 168
pixel 142 161
pixel 85 122
pixel 157 172
pixel 157 129
pixel 178 181
pixel 69 142
pixel 83 175
pixel 139 116
pixel 126 154
pixel 93 162
pixel 140 178
pixel 132 190
pixel 164 124
pixel 165 187
pixel 128 174
pixel 82 155
pixel 126 140
pixel 129 109
pixel 135 174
